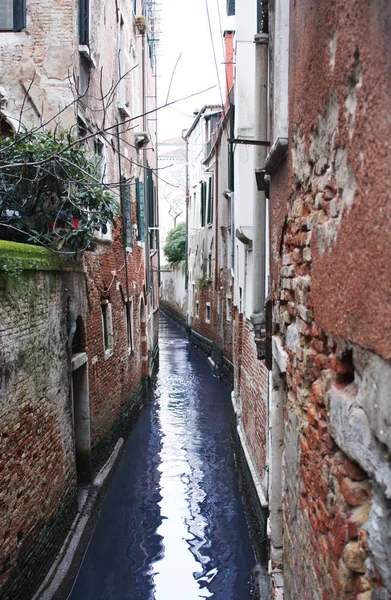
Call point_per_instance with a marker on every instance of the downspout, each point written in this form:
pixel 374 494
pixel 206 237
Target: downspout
pixel 123 213
pixel 261 41
pixel 186 140
pixel 231 185
pixel 216 216
pixel 144 167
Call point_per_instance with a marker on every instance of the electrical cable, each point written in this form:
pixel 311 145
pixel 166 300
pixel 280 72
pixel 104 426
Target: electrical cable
pixel 214 55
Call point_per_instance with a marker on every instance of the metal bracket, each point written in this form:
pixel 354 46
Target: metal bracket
pixel 248 142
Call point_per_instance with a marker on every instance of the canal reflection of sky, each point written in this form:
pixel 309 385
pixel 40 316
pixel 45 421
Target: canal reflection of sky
pixel 172 526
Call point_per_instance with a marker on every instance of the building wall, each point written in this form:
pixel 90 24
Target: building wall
pixel 38 418
pixel 330 256
pixel 40 59
pixel 38 471
pixel 173 290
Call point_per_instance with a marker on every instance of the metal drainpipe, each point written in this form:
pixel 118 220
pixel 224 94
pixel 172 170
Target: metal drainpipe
pixel 143 162
pixel 261 41
pixel 185 139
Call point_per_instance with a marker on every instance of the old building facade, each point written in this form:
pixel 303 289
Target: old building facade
pixel 90 68
pixel 307 275
pixel 329 256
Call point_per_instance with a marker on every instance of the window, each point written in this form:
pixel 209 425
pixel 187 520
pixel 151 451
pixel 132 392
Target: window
pixel 129 323
pixel 101 163
pixel 230 7
pixel 12 15
pixel 135 75
pixel 210 201
pixel 203 203
pixel 84 22
pixel 197 309
pixel 126 209
pixel 207 312
pixel 107 328
pixel 229 308
pixel 140 209
pixel 209 266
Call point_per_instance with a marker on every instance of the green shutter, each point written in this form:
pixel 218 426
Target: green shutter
pixel 203 203
pixel 126 207
pixel 140 209
pixel 230 7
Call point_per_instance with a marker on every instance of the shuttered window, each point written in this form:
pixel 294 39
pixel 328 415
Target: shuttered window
pixel 12 15
pixel 140 209
pixel 210 201
pixel 230 7
pixel 203 203
pixel 84 22
pixel 126 207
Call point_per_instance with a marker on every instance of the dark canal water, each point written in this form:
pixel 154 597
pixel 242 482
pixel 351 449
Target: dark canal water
pixel 172 526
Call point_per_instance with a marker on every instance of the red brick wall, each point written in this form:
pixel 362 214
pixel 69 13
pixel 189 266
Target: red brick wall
pixel 330 238
pixel 113 380
pixel 37 465
pixel 252 389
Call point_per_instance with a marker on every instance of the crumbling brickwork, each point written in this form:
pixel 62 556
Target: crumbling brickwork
pixel 38 475
pixel 330 255
pixel 251 391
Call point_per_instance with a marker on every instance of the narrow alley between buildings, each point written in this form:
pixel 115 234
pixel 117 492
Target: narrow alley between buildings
pixel 172 526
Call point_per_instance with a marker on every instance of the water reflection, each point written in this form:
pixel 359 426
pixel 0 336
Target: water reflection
pixel 172 526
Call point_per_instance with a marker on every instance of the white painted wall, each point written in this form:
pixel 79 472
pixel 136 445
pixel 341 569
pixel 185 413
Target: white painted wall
pixel 173 288
pixel 280 69
pixel 246 20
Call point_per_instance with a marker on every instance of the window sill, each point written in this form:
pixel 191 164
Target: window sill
pixel 102 240
pixel 124 110
pixel 85 52
pixel 108 353
pixel 13 38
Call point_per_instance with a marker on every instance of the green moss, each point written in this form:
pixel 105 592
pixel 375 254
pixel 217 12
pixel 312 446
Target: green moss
pixel 16 257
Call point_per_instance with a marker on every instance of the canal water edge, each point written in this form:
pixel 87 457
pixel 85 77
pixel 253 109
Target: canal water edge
pixel 172 524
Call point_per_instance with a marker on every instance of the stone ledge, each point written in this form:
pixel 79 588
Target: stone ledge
pixel 24 257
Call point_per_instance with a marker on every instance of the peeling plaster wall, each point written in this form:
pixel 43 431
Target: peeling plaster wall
pixel 330 272
pixel 42 58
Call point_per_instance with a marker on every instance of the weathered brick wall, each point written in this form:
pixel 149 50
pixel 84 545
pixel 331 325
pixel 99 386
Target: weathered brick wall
pixel 222 319
pixel 251 391
pixel 114 379
pixel 42 58
pixel 330 259
pixel 37 465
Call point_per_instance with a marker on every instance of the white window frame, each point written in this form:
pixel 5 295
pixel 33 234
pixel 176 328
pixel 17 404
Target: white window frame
pixel 228 307
pixel 129 324
pixel 208 309
pixel 107 325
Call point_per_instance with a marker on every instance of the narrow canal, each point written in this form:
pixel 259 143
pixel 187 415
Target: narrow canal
pixel 172 526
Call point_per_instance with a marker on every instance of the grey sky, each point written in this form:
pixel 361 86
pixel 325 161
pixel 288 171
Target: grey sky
pixel 185 31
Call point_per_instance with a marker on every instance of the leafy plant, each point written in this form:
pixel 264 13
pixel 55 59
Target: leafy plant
pixel 175 246
pixel 203 283
pixel 50 191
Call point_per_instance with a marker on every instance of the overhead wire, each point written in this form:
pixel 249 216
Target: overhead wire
pixel 214 54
